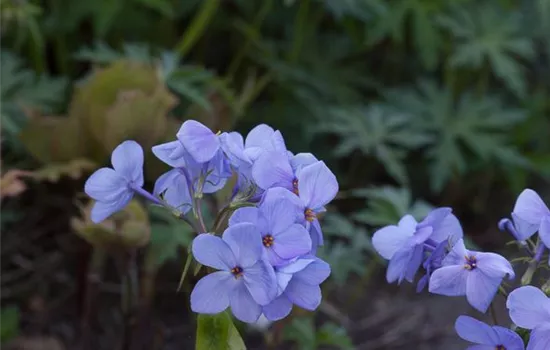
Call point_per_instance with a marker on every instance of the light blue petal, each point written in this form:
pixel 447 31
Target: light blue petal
pixel 475 331
pixel 317 185
pixel 212 251
pixel 398 265
pixel 528 307
pixel 261 282
pixel 176 192
pixel 272 169
pixel 481 289
pixel 408 223
pixel 523 228
pixel 389 239
pixel 280 209
pixel 106 185
pixel 296 265
pixel 297 162
pixel 508 338
pixel 304 295
pixel 102 210
pixel 414 263
pixel 243 305
pixel 211 293
pixel 544 231
pixel 448 227
pixel 245 241
pixel 530 207
pixel 435 217
pixel 171 153
pixel 127 160
pixel 292 242
pixel 314 273
pixel 316 235
pixel 540 338
pixel 233 145
pixel 259 136
pixel 494 265
pixel 246 214
pixel 201 143
pixel 449 281
pixel 273 258
pixel 457 254
pixel 278 308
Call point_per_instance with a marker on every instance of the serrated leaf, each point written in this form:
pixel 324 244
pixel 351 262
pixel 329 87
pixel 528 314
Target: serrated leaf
pixel 216 332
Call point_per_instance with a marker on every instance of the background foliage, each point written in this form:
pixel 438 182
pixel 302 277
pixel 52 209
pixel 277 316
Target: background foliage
pixel 413 103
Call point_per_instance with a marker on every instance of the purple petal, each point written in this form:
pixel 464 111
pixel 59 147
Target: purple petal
pixel 530 207
pixel 316 235
pixel 171 153
pixel 448 227
pixel 201 143
pixel 106 185
pixel 314 274
pixel 481 289
pixel 422 234
pixel 272 169
pixel 102 210
pixel 301 160
pixel 475 331
pixel 435 217
pixel 245 241
pixel 296 265
pixel 540 338
pixel 422 283
pixel 449 281
pixel 456 255
pixel 278 308
pixel 528 307
pixel 273 258
pixel 261 282
pixel 508 338
pixel 246 214
pixel 211 293
pixel 494 265
pixel 176 192
pixel 258 136
pixel 279 210
pixel 544 231
pixel 292 242
pixel 523 228
pixel 398 265
pixel 304 295
pixel 414 263
pixel 408 223
pixel 233 145
pixel 212 251
pixel 127 160
pixel 243 305
pixel 317 185
pixel 388 240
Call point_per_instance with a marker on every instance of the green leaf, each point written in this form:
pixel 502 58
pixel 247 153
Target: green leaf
pixel 216 332
pixel 9 323
pixel 332 334
pixel 302 331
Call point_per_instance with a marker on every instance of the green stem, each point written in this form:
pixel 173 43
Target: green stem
pixel 197 27
pixel 300 23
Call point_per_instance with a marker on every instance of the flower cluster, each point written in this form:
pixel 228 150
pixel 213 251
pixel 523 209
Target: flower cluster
pixel 436 243
pixel 265 260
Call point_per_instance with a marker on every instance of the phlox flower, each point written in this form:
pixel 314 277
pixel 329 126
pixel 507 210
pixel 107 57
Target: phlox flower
pixel 282 238
pixel 520 229
pixel 529 308
pixel 245 281
pixel 487 337
pixel 432 263
pixel 474 274
pixel 298 284
pixel 113 188
pixel 531 209
pixel 404 245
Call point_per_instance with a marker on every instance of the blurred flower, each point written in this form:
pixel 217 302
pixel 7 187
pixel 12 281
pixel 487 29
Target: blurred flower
pixel 487 337
pixel 530 209
pixel 529 308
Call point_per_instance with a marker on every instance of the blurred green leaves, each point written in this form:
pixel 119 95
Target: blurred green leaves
pixel 302 331
pixel 9 323
pixel 217 332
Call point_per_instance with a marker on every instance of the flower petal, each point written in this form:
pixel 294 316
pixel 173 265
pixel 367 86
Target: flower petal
pixel 127 160
pixel 245 241
pixel 544 231
pixel 494 265
pixel 106 185
pixel 246 214
pixel 523 228
pixel 201 143
pixel 398 265
pixel 472 330
pixel 278 308
pixel 408 223
pixel 176 192
pixel 314 273
pixel 481 289
pixel 508 338
pixel 212 251
pixel 292 242
pixel 296 265
pixel 211 293
pixel 243 305
pixel 388 240
pixel 300 160
pixel 261 282
pixel 530 207
pixel 435 217
pixel 171 153
pixel 272 169
pixel 233 145
pixel 540 338
pixel 306 296
pixel 456 255
pixel 258 136
pixel 280 210
pixel 317 185
pixel 414 263
pixel 449 281
pixel 448 227
pixel 528 307
pixel 102 210
pixel 316 235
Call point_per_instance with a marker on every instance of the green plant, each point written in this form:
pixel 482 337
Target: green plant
pixel 303 332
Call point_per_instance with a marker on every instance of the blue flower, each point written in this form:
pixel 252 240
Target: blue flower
pixel 529 308
pixel 245 281
pixel 432 263
pixel 487 337
pixel 520 229
pixel 298 284
pixel 474 274
pixel 114 188
pixel 404 245
pixel 283 239
pixel 533 211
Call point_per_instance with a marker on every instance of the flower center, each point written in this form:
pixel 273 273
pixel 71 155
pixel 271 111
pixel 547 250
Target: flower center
pixel 295 187
pixel 471 262
pixel 267 241
pixel 310 215
pixel 500 347
pixel 237 271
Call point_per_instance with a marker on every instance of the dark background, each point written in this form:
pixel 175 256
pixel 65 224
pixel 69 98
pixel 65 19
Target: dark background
pixel 412 103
